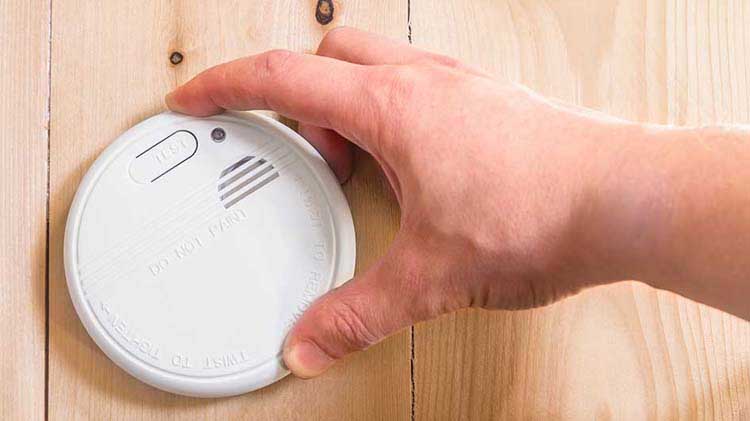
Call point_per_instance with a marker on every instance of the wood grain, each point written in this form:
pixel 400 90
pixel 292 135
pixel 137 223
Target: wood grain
pixel 625 351
pixel 111 69
pixel 24 97
pixel 620 352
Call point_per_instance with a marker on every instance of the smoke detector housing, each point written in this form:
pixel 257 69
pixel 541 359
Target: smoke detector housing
pixel 194 244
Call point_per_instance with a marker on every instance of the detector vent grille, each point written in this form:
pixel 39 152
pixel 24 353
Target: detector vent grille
pixel 243 178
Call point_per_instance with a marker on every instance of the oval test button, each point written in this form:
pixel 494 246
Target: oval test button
pixel 163 156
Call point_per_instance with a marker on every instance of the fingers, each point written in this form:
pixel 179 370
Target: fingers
pixel 336 150
pixel 356 46
pixel 353 317
pixel 315 90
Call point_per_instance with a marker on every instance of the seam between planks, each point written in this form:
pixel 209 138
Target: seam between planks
pixel 412 352
pixel 411 373
pixel 408 20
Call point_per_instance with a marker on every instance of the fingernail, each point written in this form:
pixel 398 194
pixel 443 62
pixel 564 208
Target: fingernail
pixel 306 360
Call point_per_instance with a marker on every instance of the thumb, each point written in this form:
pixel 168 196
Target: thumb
pixel 352 317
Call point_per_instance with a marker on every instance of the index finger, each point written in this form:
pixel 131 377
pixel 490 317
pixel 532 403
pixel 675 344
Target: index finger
pixel 312 89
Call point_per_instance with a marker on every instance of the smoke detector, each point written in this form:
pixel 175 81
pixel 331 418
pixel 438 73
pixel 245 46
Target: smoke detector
pixel 194 244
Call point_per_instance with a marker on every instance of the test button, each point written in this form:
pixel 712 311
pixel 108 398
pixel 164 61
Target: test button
pixel 163 156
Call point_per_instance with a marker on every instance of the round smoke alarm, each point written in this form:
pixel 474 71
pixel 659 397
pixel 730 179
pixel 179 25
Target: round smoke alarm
pixel 193 245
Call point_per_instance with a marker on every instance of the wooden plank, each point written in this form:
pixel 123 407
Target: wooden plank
pixel 24 41
pixel 623 351
pixel 111 69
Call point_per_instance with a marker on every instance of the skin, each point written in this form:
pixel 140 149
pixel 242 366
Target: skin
pixel 508 200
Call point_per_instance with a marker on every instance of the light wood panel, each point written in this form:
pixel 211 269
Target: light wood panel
pixel 624 351
pixel 24 38
pixel 111 69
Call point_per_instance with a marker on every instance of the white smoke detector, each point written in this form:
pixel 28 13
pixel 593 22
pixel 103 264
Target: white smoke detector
pixel 193 245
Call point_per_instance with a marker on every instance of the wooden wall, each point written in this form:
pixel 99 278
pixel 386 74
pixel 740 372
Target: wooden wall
pixel 88 71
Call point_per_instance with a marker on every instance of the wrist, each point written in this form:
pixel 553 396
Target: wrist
pixel 624 206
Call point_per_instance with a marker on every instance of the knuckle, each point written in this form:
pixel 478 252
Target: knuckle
pixel 432 296
pixel 424 286
pixel 392 84
pixel 433 275
pixel 442 296
pixel 403 86
pixel 449 65
pixel 333 39
pixel 444 61
pixel 273 63
pixel 350 328
pixel 425 296
pixel 393 91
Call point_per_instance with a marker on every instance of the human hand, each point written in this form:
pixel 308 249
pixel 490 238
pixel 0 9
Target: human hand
pixel 508 200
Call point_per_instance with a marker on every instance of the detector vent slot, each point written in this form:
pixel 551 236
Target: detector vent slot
pixel 243 178
pixel 236 165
